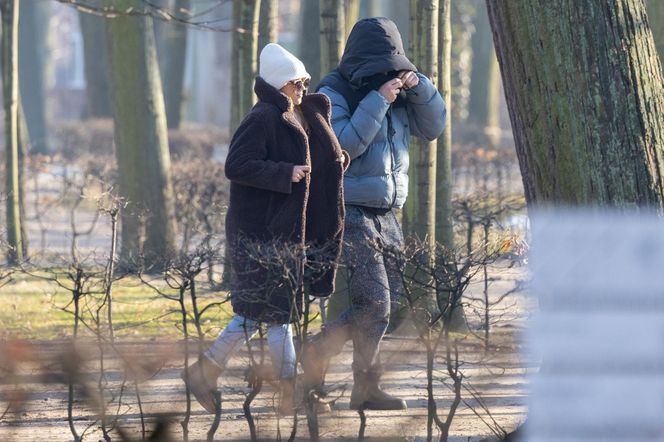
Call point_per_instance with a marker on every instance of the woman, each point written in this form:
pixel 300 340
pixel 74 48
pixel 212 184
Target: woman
pixel 286 199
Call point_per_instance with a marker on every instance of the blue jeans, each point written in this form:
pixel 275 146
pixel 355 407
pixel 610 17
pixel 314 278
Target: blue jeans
pixel 240 330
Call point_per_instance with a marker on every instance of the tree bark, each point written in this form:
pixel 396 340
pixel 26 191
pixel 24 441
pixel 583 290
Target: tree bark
pixel 484 83
pixel 33 69
pixel 656 20
pixel 444 232
pixel 268 27
pixel 95 54
pixel 141 140
pixel 10 13
pixel 175 45
pixel 420 215
pixel 584 90
pixel 244 65
pixel 309 44
pixel 332 28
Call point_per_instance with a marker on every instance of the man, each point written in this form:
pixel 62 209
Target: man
pixel 378 101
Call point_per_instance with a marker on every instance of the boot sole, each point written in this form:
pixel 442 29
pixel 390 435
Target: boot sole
pixel 378 406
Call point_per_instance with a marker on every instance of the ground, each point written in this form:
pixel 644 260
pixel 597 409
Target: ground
pixel 494 395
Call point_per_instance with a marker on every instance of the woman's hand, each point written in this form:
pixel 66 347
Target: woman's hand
pixel 300 172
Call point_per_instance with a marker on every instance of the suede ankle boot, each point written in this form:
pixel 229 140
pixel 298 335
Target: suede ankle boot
pixel 367 394
pixel 202 382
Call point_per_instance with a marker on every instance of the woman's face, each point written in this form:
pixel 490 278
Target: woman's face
pixel 295 90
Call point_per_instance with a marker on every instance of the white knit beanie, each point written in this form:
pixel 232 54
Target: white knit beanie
pixel 278 66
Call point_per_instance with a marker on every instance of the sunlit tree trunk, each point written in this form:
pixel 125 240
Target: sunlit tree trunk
pixel 244 64
pixel 10 13
pixel 268 27
pixel 420 214
pixel 444 232
pixel 351 14
pixel 141 140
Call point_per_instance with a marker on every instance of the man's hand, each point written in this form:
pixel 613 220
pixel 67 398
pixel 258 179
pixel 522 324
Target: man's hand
pixel 300 172
pixel 390 90
pixel 409 79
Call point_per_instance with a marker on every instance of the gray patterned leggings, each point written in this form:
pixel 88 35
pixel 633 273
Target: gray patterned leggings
pixel 374 282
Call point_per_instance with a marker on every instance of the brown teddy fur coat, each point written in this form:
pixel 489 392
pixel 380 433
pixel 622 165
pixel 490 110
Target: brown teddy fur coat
pixel 273 223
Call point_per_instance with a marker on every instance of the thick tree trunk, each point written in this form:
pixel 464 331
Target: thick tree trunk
pixel 268 27
pixel 10 13
pixel 141 140
pixel 656 20
pixel 483 108
pixel 244 64
pixel 420 215
pixel 332 28
pixel 444 232
pixel 95 54
pixel 33 69
pixel 584 91
pixel 309 44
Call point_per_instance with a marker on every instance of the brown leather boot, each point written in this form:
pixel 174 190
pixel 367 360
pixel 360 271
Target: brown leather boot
pixel 367 394
pixel 318 352
pixel 202 382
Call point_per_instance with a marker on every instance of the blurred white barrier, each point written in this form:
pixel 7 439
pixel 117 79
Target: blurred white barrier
pixel 599 279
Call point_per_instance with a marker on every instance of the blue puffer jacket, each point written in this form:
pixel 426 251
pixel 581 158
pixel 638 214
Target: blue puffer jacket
pixel 375 133
pixel 378 172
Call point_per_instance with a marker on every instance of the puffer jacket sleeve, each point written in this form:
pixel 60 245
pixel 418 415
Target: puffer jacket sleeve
pixel 426 110
pixel 355 132
pixel 247 162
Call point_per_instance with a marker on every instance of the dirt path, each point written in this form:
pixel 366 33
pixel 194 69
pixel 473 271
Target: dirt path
pixel 498 377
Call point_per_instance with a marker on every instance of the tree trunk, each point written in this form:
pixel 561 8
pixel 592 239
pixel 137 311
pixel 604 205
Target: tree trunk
pixel 656 20
pixel 484 83
pixel 332 28
pixel 141 140
pixel 10 13
pixel 444 232
pixel 33 69
pixel 174 63
pixel 351 15
pixel 95 54
pixel 462 30
pixel 23 153
pixel 309 44
pixel 584 91
pixel 420 216
pixel 245 46
pixel 268 28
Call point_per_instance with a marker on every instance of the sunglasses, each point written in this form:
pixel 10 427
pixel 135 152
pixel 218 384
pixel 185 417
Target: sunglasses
pixel 300 84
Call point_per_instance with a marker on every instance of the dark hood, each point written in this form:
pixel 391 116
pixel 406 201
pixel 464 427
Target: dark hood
pixel 373 46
